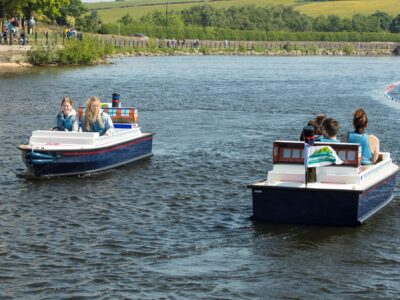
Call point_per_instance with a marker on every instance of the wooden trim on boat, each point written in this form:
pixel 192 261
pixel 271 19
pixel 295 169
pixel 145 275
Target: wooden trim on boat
pixel 288 152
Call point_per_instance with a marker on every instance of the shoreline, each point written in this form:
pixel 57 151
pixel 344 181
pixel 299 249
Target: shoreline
pixel 13 57
pixel 14 64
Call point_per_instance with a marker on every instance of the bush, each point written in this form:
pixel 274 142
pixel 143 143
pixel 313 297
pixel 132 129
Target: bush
pixel 348 49
pixel 74 52
pixel 44 55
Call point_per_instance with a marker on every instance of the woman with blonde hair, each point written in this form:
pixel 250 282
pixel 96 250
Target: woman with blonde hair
pixel 67 119
pixel 95 120
pixel 369 142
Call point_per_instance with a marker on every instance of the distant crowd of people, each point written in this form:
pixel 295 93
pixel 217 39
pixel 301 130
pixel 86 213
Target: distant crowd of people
pixel 16 29
pixel 327 130
pixel 183 43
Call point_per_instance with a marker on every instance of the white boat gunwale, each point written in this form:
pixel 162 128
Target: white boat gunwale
pixel 367 176
pixel 112 141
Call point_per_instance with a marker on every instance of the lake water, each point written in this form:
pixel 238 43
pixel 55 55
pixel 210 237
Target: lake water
pixel 177 225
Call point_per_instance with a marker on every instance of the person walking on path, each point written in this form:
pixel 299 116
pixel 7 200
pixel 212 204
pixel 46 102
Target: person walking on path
pixel 31 25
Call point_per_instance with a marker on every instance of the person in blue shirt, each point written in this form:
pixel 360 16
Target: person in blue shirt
pixel 369 142
pixel 67 119
pixel 95 120
pixel 330 129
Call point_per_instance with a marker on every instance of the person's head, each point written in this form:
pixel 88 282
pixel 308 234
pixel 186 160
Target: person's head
pixel 317 123
pixel 330 128
pixel 360 120
pixel 94 105
pixel 66 105
pixel 92 113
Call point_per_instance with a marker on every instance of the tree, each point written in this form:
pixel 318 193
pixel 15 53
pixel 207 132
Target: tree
pixel 383 19
pixel 126 19
pixel 70 20
pixel 395 25
pixel 363 23
pixel 74 9
pixel 89 23
pixel 50 8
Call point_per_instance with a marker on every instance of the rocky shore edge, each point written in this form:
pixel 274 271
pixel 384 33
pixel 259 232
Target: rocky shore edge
pixel 17 56
pixel 318 52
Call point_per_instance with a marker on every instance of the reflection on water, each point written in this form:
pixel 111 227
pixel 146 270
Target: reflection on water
pixel 177 225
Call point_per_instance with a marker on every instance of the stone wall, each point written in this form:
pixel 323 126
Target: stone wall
pixel 14 53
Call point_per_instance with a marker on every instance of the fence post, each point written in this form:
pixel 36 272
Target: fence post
pixel 35 37
pixel 10 38
pixel 47 37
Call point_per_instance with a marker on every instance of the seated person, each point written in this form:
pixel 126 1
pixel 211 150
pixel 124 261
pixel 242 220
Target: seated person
pixel 330 129
pixel 95 120
pixel 67 119
pixel 317 123
pixel 369 142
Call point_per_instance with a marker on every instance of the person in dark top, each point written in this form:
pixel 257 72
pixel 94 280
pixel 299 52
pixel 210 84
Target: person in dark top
pixel 317 124
pixel 330 129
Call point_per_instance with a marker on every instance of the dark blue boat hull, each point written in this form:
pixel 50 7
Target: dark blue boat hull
pixel 76 162
pixel 320 207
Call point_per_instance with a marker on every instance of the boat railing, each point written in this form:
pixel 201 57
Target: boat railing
pixel 121 115
pixel 292 152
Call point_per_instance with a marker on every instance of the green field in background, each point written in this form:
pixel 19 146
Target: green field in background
pixel 112 11
pixel 349 8
pixel 109 12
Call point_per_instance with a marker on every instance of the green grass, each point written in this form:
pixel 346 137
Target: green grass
pixel 99 5
pixel 109 12
pixel 112 11
pixel 349 8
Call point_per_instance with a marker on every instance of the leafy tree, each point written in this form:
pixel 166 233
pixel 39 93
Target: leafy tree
pixel 383 19
pixel 70 20
pixel 126 19
pixel 50 8
pixel 156 18
pixel 363 23
pixel 90 22
pixel 74 9
pixel 395 25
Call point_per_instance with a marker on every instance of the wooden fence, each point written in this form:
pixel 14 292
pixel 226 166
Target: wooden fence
pixel 122 41
pixel 251 45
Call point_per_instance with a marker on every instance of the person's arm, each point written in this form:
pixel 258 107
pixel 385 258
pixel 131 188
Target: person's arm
pixel 75 124
pixel 374 147
pixel 83 124
pixel 109 125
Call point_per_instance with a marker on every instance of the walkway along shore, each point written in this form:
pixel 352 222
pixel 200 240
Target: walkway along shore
pixel 17 55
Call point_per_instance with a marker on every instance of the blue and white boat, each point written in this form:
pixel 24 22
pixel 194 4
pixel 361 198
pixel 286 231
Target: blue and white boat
pixel 62 153
pixel 341 195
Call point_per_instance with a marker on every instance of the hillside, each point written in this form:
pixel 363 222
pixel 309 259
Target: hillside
pixel 112 11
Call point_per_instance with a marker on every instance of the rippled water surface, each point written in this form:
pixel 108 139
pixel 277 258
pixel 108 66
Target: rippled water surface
pixel 177 225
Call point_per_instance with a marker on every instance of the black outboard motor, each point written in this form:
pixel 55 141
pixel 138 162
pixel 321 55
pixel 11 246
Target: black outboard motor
pixel 115 100
pixel 309 138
